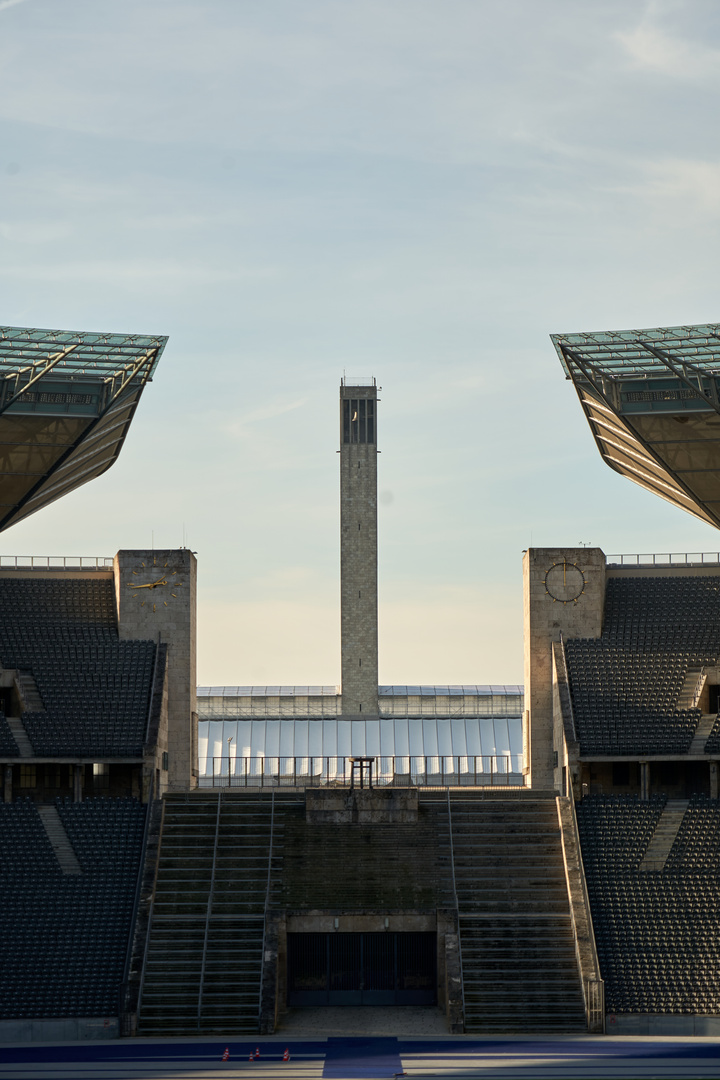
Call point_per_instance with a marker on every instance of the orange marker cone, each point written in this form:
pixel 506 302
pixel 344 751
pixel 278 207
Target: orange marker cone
pixel 286 1055
pixel 252 1056
pixel 226 1055
pixel 257 1054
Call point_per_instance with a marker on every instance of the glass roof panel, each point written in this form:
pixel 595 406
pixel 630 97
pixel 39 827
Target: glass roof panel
pixel 652 398
pixel 66 401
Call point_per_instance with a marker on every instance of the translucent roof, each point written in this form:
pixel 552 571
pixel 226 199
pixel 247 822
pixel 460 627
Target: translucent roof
pixel 641 352
pixel 66 402
pixel 464 689
pixel 81 352
pixel 652 400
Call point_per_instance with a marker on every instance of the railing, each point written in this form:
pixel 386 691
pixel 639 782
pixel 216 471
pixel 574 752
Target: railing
pixel 266 908
pixel 56 562
pixel 150 915
pixel 593 984
pixel 566 683
pixel 455 901
pixel 208 910
pixel 124 1018
pixel 398 771
pixel 692 558
pixel 699 687
pixel 594 990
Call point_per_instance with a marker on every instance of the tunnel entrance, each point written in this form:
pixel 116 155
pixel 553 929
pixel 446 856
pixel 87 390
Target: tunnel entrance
pixel 361 969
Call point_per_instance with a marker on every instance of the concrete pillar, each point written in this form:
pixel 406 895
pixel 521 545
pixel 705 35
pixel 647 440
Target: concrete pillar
pixel 7 787
pixel 564 593
pixel 78 782
pixel 713 780
pixel 358 548
pixel 645 780
pixel 156 601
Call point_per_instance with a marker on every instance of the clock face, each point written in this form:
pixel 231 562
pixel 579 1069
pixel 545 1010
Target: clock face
pixel 154 584
pixel 565 582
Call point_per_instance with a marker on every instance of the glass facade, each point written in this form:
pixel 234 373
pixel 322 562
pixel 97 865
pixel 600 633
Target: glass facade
pixel 220 702
pixel 429 739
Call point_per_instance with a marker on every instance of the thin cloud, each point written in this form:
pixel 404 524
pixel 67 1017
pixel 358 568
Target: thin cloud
pixel 10 3
pixel 651 49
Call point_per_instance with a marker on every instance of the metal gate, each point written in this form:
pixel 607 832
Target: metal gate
pixel 361 969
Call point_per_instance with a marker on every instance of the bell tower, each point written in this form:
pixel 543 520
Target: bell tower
pixel 358 547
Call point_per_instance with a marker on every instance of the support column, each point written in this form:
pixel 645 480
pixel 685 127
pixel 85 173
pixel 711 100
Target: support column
pixel 77 782
pixel 645 780
pixel 8 778
pixel 713 780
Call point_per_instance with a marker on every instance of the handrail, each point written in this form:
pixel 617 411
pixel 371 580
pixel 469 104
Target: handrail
pixel 56 562
pixel 700 686
pixel 593 985
pixel 690 558
pixel 208 910
pixel 138 884
pixel 152 691
pixel 136 902
pixel 566 681
pixel 150 916
pixel 455 899
pixel 267 899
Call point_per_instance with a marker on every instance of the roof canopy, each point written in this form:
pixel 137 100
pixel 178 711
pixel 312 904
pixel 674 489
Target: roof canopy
pixel 66 402
pixel 652 399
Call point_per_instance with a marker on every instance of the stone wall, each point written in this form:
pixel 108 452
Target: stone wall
pixel 551 608
pixel 156 601
pixel 366 806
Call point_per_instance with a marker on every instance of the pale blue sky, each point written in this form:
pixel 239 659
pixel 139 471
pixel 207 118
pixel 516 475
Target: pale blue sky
pixel 422 190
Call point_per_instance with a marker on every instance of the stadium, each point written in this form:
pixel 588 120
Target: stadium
pixel 198 861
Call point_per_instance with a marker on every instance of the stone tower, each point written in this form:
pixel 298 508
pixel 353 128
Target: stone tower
pixel 157 601
pixel 358 547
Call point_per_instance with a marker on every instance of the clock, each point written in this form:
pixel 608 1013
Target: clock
pixel 565 582
pixel 157 585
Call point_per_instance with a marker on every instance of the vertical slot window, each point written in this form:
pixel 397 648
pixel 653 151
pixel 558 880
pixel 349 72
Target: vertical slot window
pixel 358 420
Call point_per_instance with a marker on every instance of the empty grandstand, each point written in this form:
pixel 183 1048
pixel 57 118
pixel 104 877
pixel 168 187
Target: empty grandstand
pixel 524 859
pixel 84 752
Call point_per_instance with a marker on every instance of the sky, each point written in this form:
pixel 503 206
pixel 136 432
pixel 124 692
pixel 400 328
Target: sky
pixel 419 190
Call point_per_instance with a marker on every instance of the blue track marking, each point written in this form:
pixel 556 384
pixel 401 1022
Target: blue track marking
pixel 351 1058
pixel 369 1058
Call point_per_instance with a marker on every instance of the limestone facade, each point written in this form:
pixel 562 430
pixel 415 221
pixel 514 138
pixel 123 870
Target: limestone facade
pixel 156 595
pixel 551 579
pixel 358 559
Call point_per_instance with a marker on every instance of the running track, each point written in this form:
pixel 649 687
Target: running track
pixel 462 1057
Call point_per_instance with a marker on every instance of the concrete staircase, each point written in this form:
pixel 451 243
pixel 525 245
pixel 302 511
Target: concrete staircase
pixel 702 733
pixel 663 838
pixel 20 736
pixel 57 836
pixel 203 964
pixel 691 687
pixel 520 972
pixel 29 693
